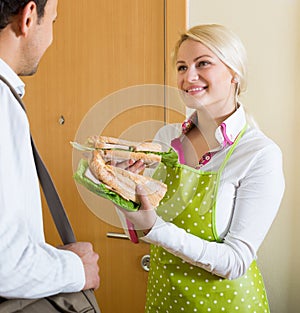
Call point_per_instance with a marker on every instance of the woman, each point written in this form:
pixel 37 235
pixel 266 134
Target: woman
pixel 222 199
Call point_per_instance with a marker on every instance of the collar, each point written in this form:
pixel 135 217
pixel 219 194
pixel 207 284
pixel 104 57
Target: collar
pixel 12 77
pixel 227 132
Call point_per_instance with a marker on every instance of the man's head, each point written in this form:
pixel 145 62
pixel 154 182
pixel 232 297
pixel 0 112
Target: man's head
pixel 26 31
pixel 11 8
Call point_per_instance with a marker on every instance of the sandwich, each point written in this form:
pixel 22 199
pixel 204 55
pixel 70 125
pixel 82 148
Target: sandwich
pixel 97 173
pixel 124 182
pixel 118 150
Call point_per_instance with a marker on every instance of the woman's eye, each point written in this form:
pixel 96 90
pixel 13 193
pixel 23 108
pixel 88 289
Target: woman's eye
pixel 181 68
pixel 203 63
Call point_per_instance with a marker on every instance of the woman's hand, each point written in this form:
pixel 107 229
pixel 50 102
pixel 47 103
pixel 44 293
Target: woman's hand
pixel 130 165
pixel 145 217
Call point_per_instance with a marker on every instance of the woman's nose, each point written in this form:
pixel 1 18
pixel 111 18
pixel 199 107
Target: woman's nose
pixel 192 75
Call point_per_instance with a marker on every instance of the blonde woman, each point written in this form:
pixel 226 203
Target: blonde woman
pixel 222 196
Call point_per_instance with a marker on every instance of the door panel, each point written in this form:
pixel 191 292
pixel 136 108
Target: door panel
pixel 101 48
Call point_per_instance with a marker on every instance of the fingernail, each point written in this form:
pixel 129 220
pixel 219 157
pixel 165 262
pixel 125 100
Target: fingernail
pixel 131 162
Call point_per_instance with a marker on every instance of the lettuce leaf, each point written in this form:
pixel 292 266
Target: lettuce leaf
pixel 169 158
pixel 100 189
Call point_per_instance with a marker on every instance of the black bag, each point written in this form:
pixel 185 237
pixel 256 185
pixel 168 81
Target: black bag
pixel 82 301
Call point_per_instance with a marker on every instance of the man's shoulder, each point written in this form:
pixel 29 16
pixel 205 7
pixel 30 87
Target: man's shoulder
pixel 14 80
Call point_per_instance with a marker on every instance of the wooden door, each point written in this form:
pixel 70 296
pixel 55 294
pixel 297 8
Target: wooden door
pixel 101 48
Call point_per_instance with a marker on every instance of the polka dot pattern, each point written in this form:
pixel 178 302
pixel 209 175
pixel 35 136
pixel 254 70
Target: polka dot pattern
pixel 189 191
pixel 177 286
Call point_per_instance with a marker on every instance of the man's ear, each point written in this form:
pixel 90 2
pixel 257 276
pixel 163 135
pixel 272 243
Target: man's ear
pixel 27 17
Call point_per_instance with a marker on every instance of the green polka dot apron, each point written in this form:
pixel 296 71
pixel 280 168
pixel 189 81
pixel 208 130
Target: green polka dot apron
pixel 178 286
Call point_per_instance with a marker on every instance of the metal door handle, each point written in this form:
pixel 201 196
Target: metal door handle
pixel 117 235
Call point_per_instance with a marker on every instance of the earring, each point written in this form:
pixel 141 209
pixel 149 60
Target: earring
pixel 235 79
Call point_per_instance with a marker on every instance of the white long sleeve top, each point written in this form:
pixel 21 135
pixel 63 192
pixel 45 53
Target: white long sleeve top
pixel 29 267
pixel 249 196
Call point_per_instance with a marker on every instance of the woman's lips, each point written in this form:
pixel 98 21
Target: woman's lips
pixel 195 90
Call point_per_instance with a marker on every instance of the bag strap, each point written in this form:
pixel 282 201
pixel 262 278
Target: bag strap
pixel 53 200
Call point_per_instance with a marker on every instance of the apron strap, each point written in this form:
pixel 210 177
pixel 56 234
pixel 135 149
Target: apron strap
pixel 227 157
pixel 229 153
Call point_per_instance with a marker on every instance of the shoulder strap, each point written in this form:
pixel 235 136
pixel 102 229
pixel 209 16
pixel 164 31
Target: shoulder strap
pixel 53 200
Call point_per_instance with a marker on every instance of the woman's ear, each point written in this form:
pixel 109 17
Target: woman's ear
pixel 27 17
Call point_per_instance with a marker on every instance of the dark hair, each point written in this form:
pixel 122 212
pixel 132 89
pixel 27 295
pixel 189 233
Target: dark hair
pixel 10 8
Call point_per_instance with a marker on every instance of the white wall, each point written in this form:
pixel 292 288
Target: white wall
pixel 270 32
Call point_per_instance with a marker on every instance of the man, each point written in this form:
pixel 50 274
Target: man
pixel 29 267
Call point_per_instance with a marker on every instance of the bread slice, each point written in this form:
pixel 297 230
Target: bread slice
pixel 149 159
pixel 105 142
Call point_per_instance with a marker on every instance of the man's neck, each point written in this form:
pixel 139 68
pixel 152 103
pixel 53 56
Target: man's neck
pixel 9 47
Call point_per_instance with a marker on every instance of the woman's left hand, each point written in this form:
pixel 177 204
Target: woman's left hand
pixel 130 165
pixel 145 217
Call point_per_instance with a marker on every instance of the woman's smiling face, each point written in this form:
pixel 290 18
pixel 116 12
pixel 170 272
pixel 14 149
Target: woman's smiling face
pixel 202 75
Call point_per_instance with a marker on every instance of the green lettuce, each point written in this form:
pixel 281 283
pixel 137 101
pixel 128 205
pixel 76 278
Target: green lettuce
pixel 100 189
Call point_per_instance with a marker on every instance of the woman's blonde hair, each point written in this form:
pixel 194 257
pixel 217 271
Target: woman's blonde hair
pixel 224 44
